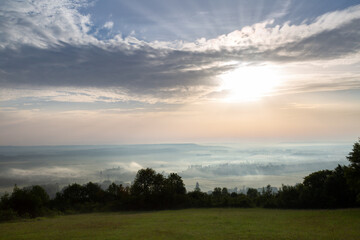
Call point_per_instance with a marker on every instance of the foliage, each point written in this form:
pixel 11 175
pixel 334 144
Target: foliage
pixel 25 202
pixel 152 190
pixel 354 155
pixel 353 171
pixel 338 188
pixel 7 215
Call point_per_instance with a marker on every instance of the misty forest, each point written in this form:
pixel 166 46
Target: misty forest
pixel 337 188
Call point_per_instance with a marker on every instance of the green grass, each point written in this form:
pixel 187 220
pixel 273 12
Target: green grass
pixel 193 224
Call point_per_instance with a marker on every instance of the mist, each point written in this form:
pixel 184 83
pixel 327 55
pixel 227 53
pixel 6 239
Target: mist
pixel 211 165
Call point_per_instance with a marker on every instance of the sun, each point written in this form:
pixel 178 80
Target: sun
pixel 250 83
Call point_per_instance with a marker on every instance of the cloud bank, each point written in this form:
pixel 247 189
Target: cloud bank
pixel 48 45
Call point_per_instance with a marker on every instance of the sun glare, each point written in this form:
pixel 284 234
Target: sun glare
pixel 250 83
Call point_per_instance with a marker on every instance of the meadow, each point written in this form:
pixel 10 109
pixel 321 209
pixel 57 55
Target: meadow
pixel 215 223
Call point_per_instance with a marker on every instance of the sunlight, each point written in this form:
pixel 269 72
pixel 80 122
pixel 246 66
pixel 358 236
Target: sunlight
pixel 250 83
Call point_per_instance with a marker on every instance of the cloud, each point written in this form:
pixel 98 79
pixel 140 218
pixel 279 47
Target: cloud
pixel 251 169
pixel 50 45
pixel 41 175
pixel 265 36
pixel 323 83
pixel 61 172
pixel 43 24
pixel 129 167
pixel 109 25
pixel 146 71
pixel 66 94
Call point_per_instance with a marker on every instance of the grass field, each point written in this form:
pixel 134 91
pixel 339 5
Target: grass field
pixel 193 224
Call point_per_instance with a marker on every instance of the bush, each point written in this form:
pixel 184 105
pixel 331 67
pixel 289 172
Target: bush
pixel 7 215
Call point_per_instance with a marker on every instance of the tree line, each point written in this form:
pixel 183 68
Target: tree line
pixel 338 188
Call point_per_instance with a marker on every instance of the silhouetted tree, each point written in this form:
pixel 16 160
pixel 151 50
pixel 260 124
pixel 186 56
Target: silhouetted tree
pixel 224 191
pixel 239 200
pixel 117 192
pixel 30 201
pixel 174 191
pixel 93 193
pixel 354 155
pixel 338 189
pixel 217 198
pixel 117 196
pixel 197 187
pixel 314 193
pixel 198 199
pixel 353 171
pixel 252 193
pixel 267 198
pixel 289 196
pixel 148 188
pixel 74 194
pixel 216 192
pixel 175 184
pixel 6 212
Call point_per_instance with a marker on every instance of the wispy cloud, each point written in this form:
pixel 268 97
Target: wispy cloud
pixel 50 45
pixel 43 24
pixel 109 25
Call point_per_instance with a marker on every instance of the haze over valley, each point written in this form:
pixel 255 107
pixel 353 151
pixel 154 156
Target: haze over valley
pixel 227 165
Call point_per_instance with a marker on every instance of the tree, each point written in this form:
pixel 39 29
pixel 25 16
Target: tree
pixel 291 196
pixel 93 193
pixel 148 188
pixel 117 192
pixel 143 182
pixel 267 198
pixel 29 201
pixel 175 184
pixel 117 196
pixel 220 197
pixel 353 171
pixel 337 187
pixel 224 191
pixel 198 199
pixel 317 179
pixel 174 191
pixel 239 200
pixel 252 193
pixel 74 194
pixel 216 192
pixel 197 187
pixel 6 212
pixel 354 155
pixel 40 194
pixel 314 194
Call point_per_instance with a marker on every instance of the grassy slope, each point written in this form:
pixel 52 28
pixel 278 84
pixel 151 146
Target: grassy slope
pixel 193 224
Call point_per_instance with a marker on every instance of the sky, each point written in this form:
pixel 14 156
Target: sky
pixel 135 72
